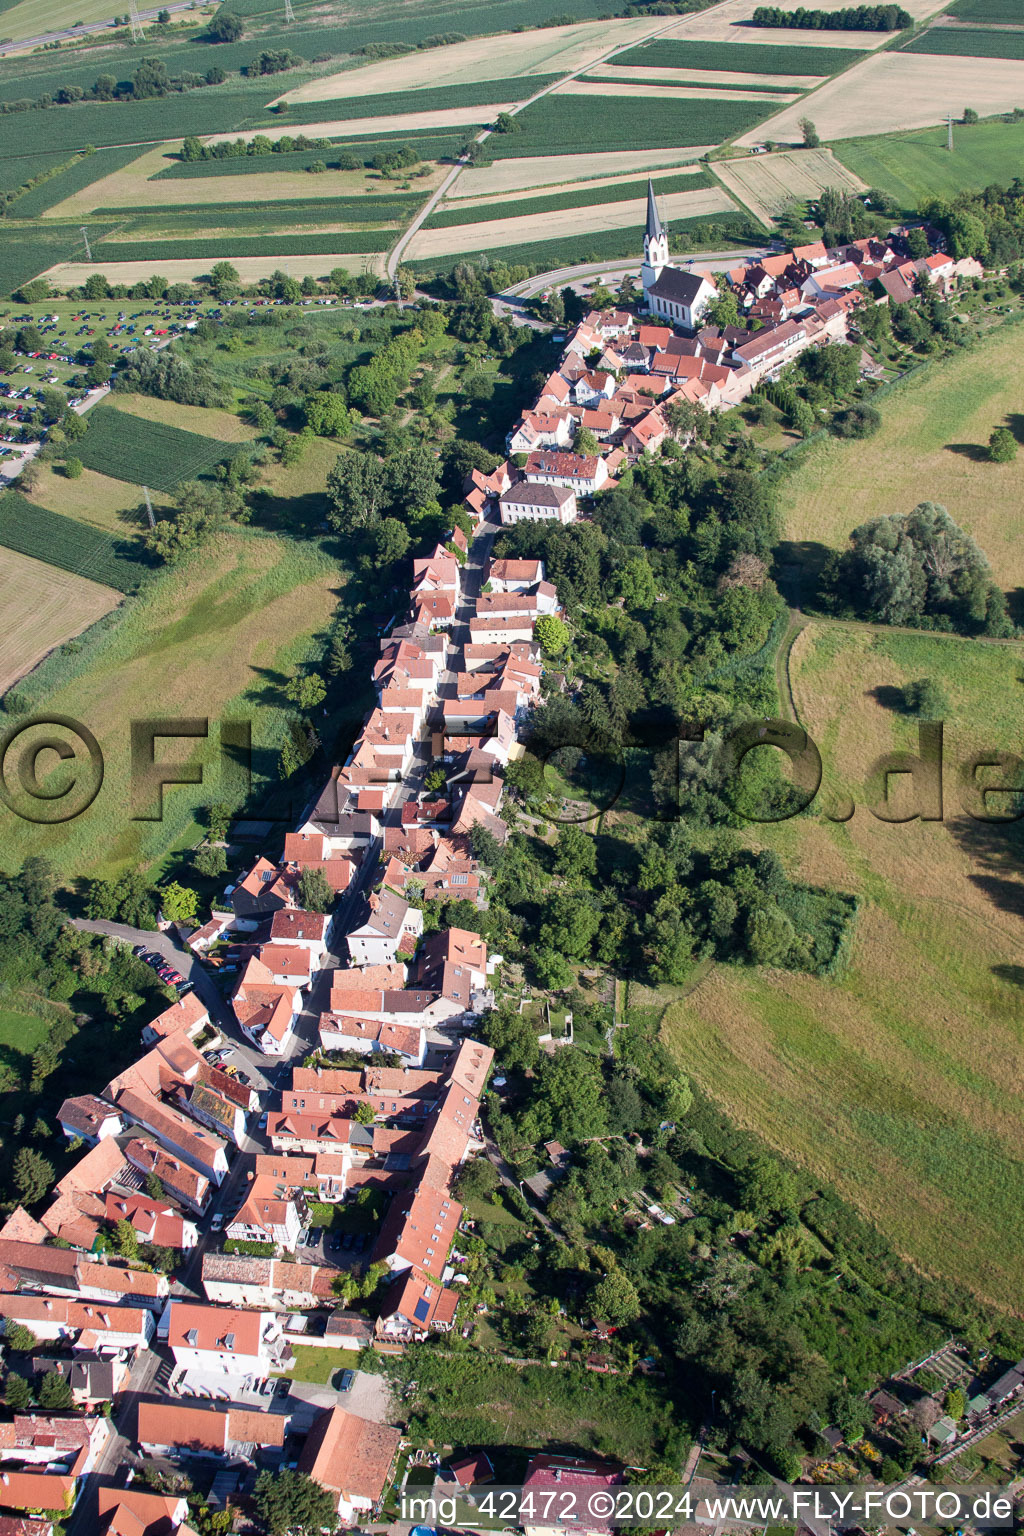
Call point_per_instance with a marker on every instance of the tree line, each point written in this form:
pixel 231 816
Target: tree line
pixel 852 18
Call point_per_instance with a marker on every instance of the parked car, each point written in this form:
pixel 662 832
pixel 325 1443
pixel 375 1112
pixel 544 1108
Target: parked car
pixel 263 1120
pixel 347 1378
pixel 283 1386
pixel 218 1221
pixel 242 1078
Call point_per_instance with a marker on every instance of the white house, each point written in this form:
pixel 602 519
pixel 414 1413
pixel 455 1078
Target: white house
pixel 220 1341
pixel 389 924
pixel 530 501
pixel 583 473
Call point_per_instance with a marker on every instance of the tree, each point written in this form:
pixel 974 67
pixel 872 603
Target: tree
pixel 586 443
pixel 33 1175
pixel 17 1392
pixel 150 79
pixel 179 904
pixel 615 1299
pixel 1002 446
pixel 767 1188
pixel 55 1392
pixel 288 1503
pixel 73 468
pixel 725 309
pixel 315 894
pixel 970 115
pixel 210 862
pixel 19 1338
pixel 926 699
pixel 224 278
pixel 155 1186
pixel 478 1180
pixel 810 133
pixel 576 853
pixel 506 123
pixel 365 1114
pixel 327 414
pixel 225 27
pixel 390 541
pixel 126 1240
pixel 307 692
pixel 552 634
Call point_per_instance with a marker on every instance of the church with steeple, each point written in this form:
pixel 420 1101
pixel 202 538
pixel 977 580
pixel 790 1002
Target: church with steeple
pixel 677 296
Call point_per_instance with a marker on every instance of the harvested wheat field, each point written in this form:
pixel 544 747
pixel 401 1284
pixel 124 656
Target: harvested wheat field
pixel 400 122
pixel 554 170
pixel 132 188
pixel 546 51
pixel 767 183
pixel 729 23
pixel 662 92
pixel 72 274
pixel 568 221
pixel 41 607
pixel 906 1073
pixel 562 188
pixel 894 91
pixel 666 75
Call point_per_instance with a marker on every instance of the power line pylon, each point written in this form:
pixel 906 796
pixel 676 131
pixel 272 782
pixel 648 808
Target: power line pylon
pixel 289 10
pixel 135 22
pixel 85 237
pixel 949 131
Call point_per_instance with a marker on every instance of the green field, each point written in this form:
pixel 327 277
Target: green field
pixel 383 104
pixel 621 190
pixel 228 246
pixel 971 42
pixel 1005 11
pixel 560 125
pixel 604 245
pixel 272 213
pixel 899 1083
pixel 725 85
pixel 15 170
pixel 146 452
pixel 68 543
pixel 913 167
pixel 769 59
pixel 209 637
pixel 928 449
pixel 75 178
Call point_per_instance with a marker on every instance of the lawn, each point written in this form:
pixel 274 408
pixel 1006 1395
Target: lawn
pixel 901 1083
pixel 317 1364
pixel 215 637
pixel 20 1033
pixel 928 449
pixel 970 42
pixel 913 167
pixel 153 453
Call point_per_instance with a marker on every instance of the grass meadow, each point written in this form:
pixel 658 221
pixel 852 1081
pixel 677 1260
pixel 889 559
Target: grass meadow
pixel 216 636
pixel 931 447
pixel 900 1083
pixel 913 167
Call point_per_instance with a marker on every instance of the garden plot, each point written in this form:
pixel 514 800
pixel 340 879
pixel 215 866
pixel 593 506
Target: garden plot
pixel 893 91
pixel 571 221
pixel 766 184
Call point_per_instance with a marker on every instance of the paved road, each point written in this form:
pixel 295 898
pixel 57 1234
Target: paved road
pixel 574 277
pixel 109 1469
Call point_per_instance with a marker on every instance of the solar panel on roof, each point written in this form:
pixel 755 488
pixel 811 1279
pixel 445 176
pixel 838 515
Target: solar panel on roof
pixel 421 1310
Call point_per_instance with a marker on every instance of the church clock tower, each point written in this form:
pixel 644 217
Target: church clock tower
pixel 655 243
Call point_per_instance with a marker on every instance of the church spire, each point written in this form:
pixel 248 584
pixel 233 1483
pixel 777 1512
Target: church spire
pixel 654 225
